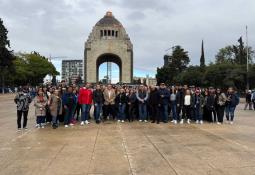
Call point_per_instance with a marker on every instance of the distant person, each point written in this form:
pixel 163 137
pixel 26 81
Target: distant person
pixel 220 105
pixel 164 95
pixel 109 102
pixel 232 102
pixel 142 96
pixel 198 105
pixel 55 105
pixel 121 101
pixel 98 99
pixel 253 99
pixel 85 99
pixel 69 103
pixel 173 104
pixel 132 105
pixel 187 107
pixel 40 102
pixel 154 104
pixel 248 100
pixel 22 100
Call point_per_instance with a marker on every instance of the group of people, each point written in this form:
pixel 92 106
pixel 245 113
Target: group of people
pixel 79 105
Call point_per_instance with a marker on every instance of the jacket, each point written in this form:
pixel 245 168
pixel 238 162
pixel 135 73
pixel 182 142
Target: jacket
pixel 22 101
pixel 69 100
pixel 55 105
pixel 142 96
pixel 232 100
pixel 154 98
pixel 109 97
pixel 98 96
pixel 166 96
pixel 132 98
pixel 85 96
pixel 40 106
pixel 121 99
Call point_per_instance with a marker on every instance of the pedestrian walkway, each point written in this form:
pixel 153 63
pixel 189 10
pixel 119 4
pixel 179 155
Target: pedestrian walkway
pixel 126 148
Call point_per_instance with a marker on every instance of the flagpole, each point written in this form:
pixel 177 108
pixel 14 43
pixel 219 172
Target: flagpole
pixel 247 57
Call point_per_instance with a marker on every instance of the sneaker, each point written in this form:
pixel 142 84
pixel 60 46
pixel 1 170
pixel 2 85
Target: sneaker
pixel 25 128
pixel 175 122
pixel 19 130
pixel 140 120
pixel 201 122
pixel 37 126
pixel 181 122
pixel 86 122
pixel 118 121
pixel 172 121
pixel 231 123
pixel 197 122
pixel 188 121
pixel 82 123
pixel 145 121
pixel 122 121
pixel 42 126
pixel 71 124
pixel 218 123
pixel 66 126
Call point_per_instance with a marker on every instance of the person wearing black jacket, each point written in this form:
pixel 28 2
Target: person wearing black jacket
pixel 210 105
pixel 232 102
pixel 98 99
pixel 179 101
pixel 153 102
pixel 131 104
pixel 121 101
pixel 163 102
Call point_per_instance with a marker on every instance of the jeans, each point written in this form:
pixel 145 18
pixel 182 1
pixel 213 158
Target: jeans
pixel 68 116
pixel 40 120
pixel 220 113
pixel 121 114
pixel 142 111
pixel 19 117
pixel 230 111
pixel 54 120
pixel 163 110
pixel 85 112
pixel 98 109
pixel 198 115
pixel 174 111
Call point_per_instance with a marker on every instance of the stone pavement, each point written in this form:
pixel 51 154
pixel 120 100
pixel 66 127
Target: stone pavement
pixel 130 148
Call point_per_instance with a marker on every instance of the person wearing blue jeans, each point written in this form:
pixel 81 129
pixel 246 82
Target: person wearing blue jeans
pixel 198 104
pixel 85 112
pixel 173 104
pixel 142 97
pixel 232 102
pixel 121 101
pixel 163 102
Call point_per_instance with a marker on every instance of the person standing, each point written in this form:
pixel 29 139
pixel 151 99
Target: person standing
pixel 109 102
pixel 173 104
pixel 40 103
pixel 220 105
pixel 85 99
pixel 131 104
pixel 253 99
pixel 248 100
pixel 232 102
pixel 69 101
pixel 179 101
pixel 198 105
pixel 153 102
pixel 164 102
pixel 210 105
pixel 142 97
pixel 187 107
pixel 121 100
pixel 55 106
pixel 22 100
pixel 98 99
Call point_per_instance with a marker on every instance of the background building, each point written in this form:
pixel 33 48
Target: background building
pixel 71 70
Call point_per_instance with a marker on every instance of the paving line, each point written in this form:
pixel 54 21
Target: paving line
pixel 126 152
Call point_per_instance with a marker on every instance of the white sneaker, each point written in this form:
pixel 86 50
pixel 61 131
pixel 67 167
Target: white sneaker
pixel 181 122
pixel 201 122
pixel 218 123
pixel 82 123
pixel 175 122
pixel 42 126
pixel 122 121
pixel 197 122
pixel 231 123
pixel 37 125
pixel 188 121
pixel 118 121
pixel 145 121
pixel 86 122
pixel 71 124
pixel 66 126
pixel 140 120
pixel 172 121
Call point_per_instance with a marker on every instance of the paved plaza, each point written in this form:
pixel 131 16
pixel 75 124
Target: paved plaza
pixel 130 148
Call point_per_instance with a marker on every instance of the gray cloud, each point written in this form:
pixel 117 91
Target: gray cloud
pixel 60 28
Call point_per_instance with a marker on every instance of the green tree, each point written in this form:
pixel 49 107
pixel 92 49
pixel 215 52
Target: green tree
pixel 6 56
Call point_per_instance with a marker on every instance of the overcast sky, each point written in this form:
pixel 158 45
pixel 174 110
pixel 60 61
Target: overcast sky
pixel 60 27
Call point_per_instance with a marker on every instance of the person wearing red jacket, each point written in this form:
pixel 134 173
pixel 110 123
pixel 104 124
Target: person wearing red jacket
pixel 85 100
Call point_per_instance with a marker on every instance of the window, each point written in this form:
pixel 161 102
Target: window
pixel 101 33
pixel 113 33
pixel 116 34
pixel 105 33
pixel 109 33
